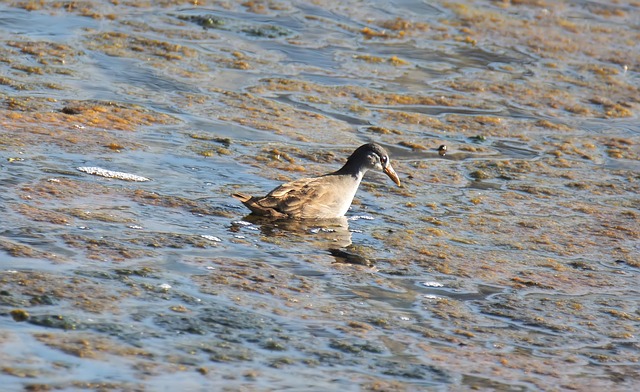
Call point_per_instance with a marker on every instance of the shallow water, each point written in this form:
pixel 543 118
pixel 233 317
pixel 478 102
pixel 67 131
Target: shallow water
pixel 511 263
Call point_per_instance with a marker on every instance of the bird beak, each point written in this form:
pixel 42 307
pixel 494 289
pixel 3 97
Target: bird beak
pixel 392 174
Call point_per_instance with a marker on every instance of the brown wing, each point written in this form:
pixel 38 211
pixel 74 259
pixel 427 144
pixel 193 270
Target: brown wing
pixel 293 197
pixel 306 198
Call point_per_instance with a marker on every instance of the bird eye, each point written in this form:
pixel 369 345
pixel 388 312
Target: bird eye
pixel 384 159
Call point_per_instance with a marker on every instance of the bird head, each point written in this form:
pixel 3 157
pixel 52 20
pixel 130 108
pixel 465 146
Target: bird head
pixel 373 156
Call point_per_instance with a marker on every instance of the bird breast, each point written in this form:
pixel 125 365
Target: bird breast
pixel 334 204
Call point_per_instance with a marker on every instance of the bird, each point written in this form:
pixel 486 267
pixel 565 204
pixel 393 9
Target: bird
pixel 325 197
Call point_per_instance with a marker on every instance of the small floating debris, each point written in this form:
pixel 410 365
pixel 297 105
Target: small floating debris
pixel 19 315
pixel 211 238
pixel 98 171
pixel 442 150
pixel 164 286
pixel 431 296
pixel 246 224
pixel 358 217
pixel 135 227
pixel 206 21
pixel 432 284
pixel 317 230
pixel 241 223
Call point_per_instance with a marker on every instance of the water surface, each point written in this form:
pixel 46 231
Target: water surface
pixel 511 263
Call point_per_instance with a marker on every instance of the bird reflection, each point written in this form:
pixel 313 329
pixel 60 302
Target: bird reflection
pixel 332 235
